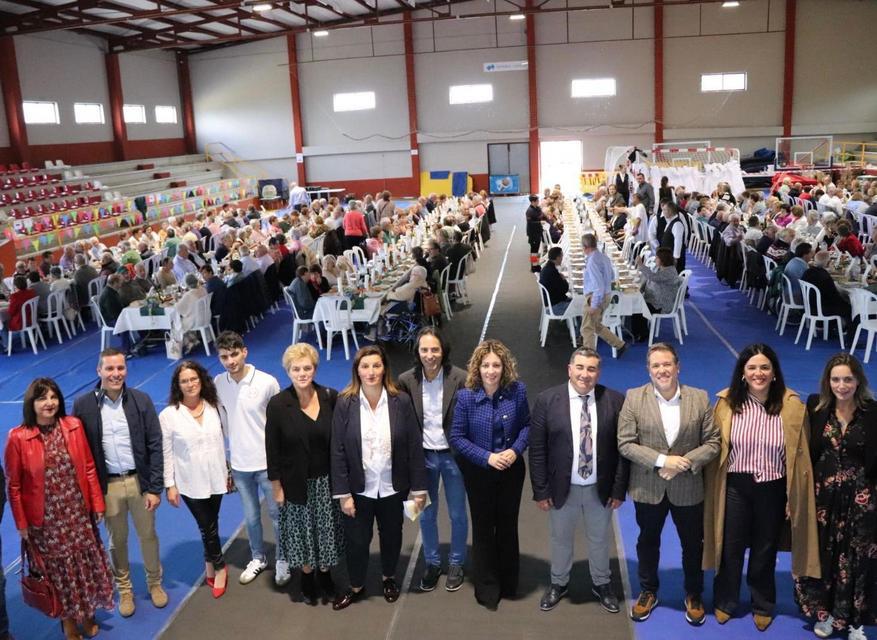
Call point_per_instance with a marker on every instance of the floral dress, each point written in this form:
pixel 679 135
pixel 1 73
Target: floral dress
pixel 68 541
pixel 846 518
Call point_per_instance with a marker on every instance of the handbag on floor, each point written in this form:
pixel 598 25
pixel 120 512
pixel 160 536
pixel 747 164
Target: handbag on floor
pixel 37 590
pixel 173 345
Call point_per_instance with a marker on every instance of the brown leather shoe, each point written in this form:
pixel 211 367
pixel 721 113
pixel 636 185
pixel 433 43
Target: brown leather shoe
pixel 694 613
pixel 158 596
pixel 722 616
pixel 70 629
pixel 643 606
pixel 126 604
pixel 762 622
pixel 90 628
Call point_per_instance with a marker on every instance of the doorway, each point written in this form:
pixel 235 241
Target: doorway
pixel 510 159
pixel 561 163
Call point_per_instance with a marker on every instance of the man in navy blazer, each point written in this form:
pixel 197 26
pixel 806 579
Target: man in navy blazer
pixel 576 471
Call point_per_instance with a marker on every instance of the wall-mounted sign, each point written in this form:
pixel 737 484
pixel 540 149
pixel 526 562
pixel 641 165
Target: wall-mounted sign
pixel 509 65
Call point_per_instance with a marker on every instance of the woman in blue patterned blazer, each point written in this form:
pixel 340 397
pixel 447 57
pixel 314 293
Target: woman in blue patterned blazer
pixel 490 432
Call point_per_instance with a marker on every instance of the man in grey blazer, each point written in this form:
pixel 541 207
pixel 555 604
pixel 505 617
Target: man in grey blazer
pixel 432 385
pixel 576 472
pixel 666 430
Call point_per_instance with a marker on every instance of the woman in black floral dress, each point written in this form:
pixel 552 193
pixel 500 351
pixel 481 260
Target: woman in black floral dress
pixel 57 502
pixel 843 446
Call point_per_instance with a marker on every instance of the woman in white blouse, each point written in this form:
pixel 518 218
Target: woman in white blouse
pixel 194 460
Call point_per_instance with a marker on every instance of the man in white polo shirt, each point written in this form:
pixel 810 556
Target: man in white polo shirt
pixel 244 392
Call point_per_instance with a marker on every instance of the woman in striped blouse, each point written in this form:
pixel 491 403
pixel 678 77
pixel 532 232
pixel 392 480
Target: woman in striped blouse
pixel 759 485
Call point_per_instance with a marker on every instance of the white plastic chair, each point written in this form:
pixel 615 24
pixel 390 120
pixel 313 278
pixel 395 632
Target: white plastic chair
pixel 72 302
pixel 444 285
pixel 459 282
pixel 105 330
pixel 96 287
pixel 30 327
pixel 867 321
pixel 813 315
pixel 54 317
pixel 548 315
pixel 298 323
pixel 612 318
pixel 337 319
pixel 674 314
pixel 787 304
pixel 204 326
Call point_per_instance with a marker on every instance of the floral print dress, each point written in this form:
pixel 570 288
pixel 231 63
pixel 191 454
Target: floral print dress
pixel 846 518
pixel 68 541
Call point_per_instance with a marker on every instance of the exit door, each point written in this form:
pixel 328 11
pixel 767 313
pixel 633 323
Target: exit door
pixel 510 158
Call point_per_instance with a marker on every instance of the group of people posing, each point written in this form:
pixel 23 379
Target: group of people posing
pixel 759 469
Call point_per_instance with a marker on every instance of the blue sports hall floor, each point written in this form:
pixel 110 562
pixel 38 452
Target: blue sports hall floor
pixel 505 306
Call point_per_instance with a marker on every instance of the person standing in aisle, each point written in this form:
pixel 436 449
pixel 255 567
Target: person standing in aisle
pixel 534 231
pixel 244 392
pixel 124 436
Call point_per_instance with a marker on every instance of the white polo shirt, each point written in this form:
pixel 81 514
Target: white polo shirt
pixel 244 404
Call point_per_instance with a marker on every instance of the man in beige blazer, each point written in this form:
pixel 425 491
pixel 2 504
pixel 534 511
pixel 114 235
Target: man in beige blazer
pixel 666 431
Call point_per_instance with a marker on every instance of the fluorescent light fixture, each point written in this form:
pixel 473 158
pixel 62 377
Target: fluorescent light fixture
pixel 517 16
pixel 320 34
pixel 730 5
pixel 262 6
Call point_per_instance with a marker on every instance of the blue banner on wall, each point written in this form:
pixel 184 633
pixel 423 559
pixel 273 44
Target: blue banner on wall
pixel 505 184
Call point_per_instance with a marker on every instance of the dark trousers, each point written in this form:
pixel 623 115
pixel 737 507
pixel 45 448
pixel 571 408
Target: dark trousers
pixel 689 527
pixel 206 513
pixel 494 502
pixel 353 241
pixel 680 263
pixel 754 517
pixel 359 529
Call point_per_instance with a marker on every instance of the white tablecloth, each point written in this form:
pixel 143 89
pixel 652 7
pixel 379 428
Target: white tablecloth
pixel 629 304
pixel 131 320
pixel 370 312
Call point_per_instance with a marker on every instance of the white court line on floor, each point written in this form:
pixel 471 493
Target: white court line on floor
pixel 622 569
pixel 713 329
pixel 418 541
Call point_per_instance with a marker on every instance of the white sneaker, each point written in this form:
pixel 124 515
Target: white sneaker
pixel 824 628
pixel 254 568
pixel 281 573
pixel 857 633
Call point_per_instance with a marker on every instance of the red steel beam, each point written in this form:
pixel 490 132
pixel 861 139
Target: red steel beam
pixel 534 103
pixel 117 100
pixel 412 97
pixel 789 66
pixel 659 70
pixel 12 100
pixel 297 129
pixel 185 83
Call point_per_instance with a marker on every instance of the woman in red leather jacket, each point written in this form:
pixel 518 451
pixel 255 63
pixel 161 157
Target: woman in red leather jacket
pixel 57 502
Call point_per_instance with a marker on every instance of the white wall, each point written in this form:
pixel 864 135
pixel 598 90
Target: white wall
pixel 65 68
pixel 150 78
pixel 241 97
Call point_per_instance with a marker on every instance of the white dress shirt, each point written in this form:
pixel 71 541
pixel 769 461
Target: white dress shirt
pixel 575 420
pixel 245 403
pixel 194 454
pixel 433 432
pixel 116 437
pixel 670 419
pixel 377 448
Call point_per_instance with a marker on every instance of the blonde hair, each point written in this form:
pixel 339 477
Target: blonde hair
pixel 509 364
pixel 300 351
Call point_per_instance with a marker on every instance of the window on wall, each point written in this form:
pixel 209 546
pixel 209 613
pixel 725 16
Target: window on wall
pixel 134 113
pixel 470 93
pixel 88 113
pixel 593 87
pixel 722 82
pixel 165 114
pixel 41 112
pixel 358 101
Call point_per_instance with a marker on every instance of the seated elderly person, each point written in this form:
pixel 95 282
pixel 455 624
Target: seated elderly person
pixel 235 273
pixel 554 281
pixel 183 264
pixel 42 289
pixel 436 261
pixel 848 241
pixel 164 275
pixel 660 286
pixel 799 220
pixel 797 266
pixel 302 294
pixel 187 307
pixel 251 265
pixel 110 302
pixel 753 232
pixel 814 226
pixel 733 234
pixel 108 266
pixel 140 280
pixel 130 254
pixel 57 281
pixel 833 303
pixel 781 248
pixel 404 294
pixel 20 294
pixel 128 291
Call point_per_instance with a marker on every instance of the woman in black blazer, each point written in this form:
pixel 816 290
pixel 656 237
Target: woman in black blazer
pixel 377 458
pixel 297 441
pixel 843 448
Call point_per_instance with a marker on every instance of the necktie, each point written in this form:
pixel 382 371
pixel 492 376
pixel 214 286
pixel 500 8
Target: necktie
pixel 586 445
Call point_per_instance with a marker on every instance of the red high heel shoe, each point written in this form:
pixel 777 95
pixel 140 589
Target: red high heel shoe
pixel 218 592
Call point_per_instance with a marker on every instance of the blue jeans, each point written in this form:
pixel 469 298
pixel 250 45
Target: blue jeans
pixel 248 483
pixel 560 308
pixel 4 617
pixel 441 466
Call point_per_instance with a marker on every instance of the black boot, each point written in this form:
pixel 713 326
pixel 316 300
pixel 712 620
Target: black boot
pixel 327 586
pixel 308 588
